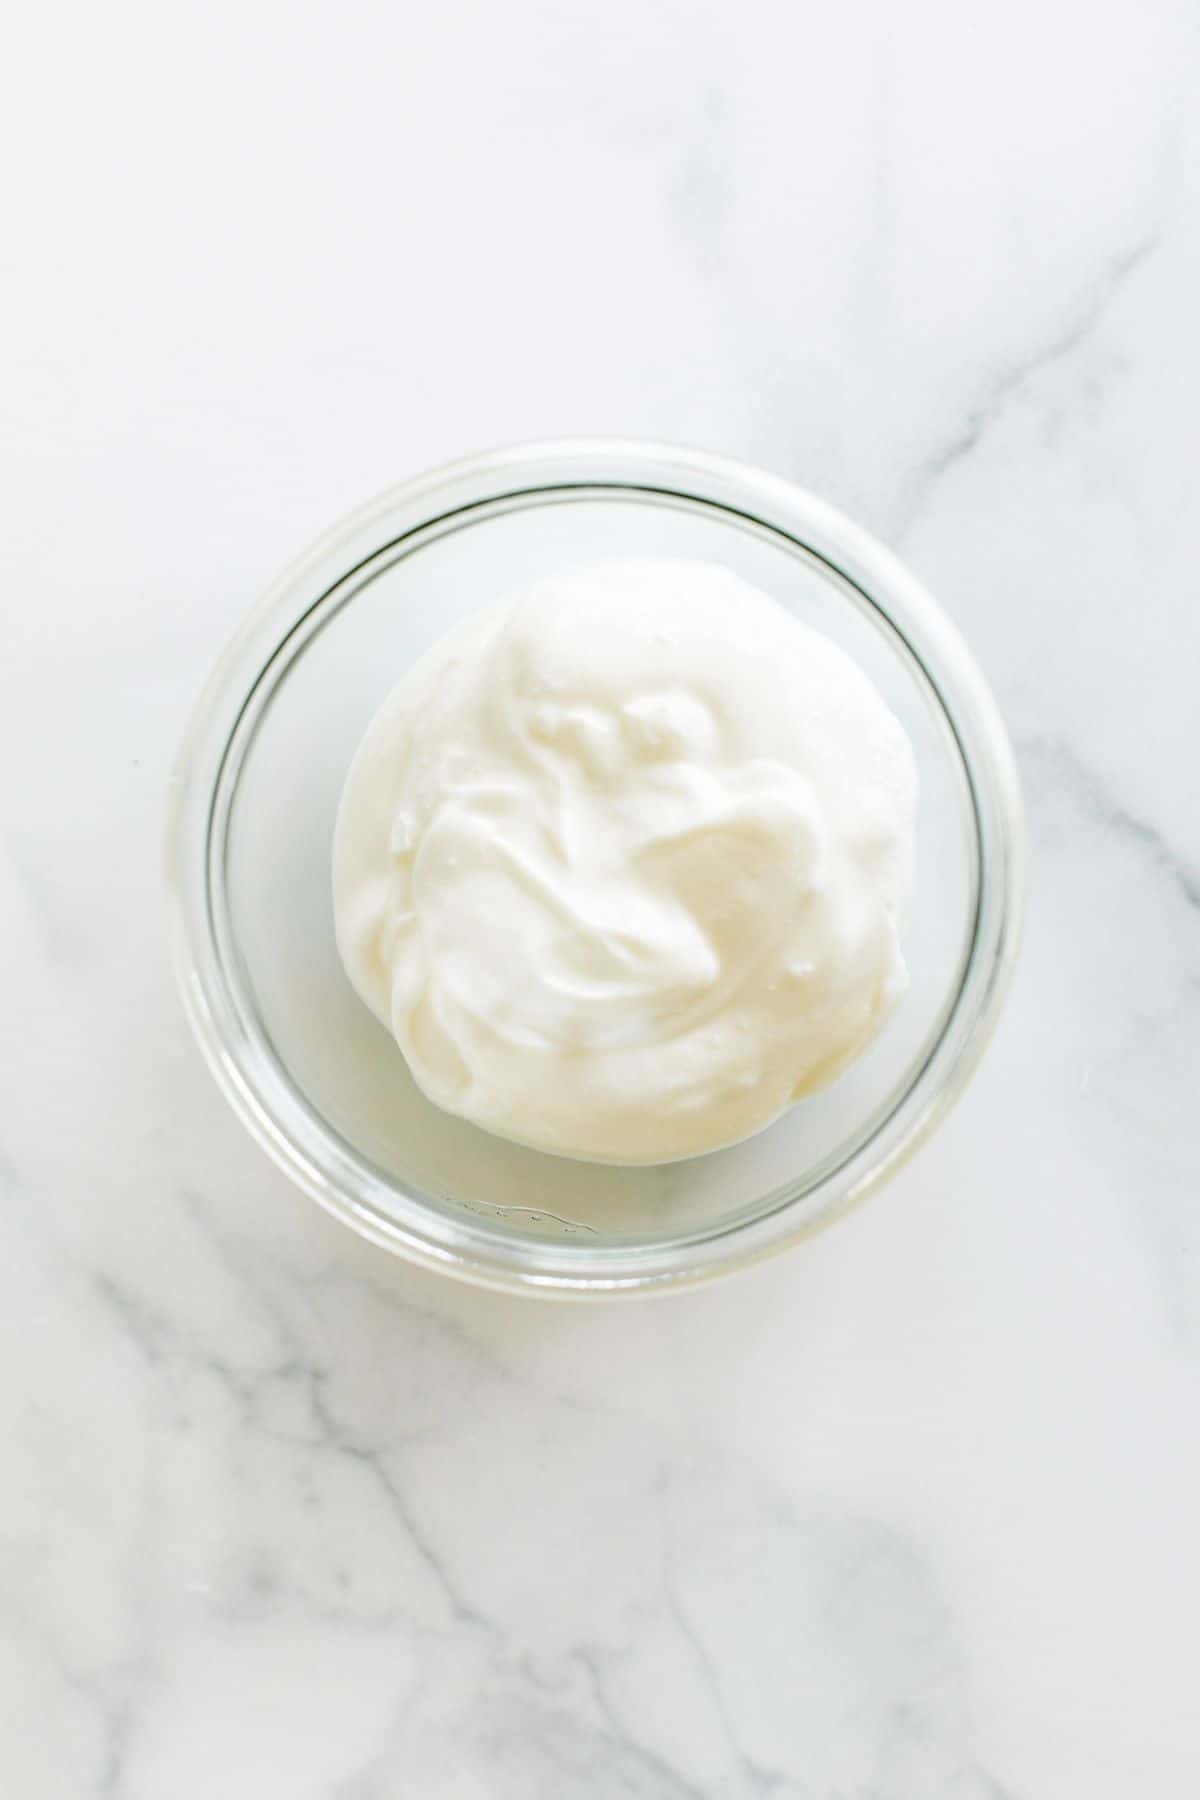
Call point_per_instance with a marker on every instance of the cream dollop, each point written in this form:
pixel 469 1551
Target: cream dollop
pixel 622 864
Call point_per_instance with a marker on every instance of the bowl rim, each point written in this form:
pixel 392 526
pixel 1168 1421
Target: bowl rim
pixel 312 1155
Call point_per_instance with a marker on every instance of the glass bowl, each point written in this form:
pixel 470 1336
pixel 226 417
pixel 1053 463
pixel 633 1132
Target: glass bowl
pixel 320 1083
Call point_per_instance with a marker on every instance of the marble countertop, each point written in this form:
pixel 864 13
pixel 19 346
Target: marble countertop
pixel 910 1514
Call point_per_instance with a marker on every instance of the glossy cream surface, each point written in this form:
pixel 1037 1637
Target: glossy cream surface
pixel 622 863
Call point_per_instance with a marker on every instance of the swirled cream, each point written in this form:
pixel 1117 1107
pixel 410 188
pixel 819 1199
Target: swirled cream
pixel 622 864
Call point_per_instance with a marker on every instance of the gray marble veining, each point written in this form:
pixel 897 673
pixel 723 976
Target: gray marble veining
pixel 908 1515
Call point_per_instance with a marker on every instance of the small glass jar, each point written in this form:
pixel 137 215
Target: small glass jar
pixel 321 1084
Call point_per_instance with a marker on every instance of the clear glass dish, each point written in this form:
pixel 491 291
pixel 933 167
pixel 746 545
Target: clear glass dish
pixel 322 1086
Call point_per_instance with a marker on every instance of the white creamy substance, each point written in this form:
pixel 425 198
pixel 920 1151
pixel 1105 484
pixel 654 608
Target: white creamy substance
pixel 622 864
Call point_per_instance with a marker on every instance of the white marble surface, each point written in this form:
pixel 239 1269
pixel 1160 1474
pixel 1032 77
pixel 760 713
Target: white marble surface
pixel 913 1514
